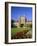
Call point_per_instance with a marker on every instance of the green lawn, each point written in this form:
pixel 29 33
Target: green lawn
pixel 15 30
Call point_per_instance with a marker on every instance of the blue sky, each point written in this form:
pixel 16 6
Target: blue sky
pixel 16 12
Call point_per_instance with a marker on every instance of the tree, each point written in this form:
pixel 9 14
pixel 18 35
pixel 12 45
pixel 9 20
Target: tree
pixel 12 21
pixel 21 25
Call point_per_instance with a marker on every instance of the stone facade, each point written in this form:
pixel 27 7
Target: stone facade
pixel 22 21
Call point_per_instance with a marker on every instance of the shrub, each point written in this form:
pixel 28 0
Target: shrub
pixel 21 25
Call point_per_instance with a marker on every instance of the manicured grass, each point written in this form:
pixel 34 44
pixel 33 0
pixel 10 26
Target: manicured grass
pixel 15 30
pixel 17 33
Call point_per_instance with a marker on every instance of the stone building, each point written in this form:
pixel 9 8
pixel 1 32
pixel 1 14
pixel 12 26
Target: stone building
pixel 22 22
